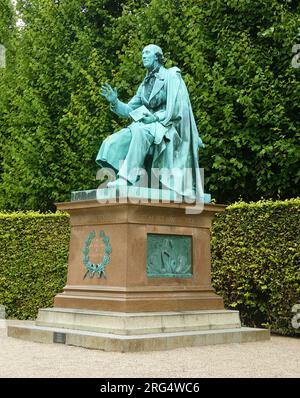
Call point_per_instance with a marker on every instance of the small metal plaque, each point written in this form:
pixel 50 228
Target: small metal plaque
pixel 169 256
pixel 59 338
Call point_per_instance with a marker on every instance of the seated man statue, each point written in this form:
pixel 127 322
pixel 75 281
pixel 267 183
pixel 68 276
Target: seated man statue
pixel 167 130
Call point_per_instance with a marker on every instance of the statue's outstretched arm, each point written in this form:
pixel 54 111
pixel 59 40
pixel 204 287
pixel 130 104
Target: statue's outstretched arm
pixel 117 106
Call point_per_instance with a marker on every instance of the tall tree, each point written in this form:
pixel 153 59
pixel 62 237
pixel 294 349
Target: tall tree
pixel 7 21
pixel 7 56
pixel 57 118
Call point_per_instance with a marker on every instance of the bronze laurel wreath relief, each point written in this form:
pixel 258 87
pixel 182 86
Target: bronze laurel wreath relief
pixel 96 269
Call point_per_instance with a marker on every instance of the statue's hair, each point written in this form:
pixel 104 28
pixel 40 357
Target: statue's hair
pixel 160 58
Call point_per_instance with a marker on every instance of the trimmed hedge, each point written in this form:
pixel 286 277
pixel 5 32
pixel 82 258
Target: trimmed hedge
pixel 34 252
pixel 256 261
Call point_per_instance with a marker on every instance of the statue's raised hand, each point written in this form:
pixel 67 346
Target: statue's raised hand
pixel 109 93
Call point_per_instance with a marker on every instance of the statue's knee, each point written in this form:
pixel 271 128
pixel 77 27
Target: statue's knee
pixel 140 135
pixel 136 132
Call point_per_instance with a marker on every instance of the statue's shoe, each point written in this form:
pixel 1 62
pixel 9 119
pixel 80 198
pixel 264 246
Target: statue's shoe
pixel 120 182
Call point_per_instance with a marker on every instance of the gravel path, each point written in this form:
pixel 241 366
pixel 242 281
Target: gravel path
pixel 278 357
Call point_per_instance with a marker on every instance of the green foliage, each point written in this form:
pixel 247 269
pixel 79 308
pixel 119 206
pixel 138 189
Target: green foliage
pixel 57 118
pixel 235 57
pixel 7 21
pixel 7 42
pixel 34 249
pixel 256 261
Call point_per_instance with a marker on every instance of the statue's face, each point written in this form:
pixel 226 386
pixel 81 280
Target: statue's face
pixel 148 56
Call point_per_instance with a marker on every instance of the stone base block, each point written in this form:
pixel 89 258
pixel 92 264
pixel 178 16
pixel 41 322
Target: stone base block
pixel 2 323
pixel 137 323
pixel 174 298
pixel 129 332
pixel 131 193
pixel 122 343
pixel 156 257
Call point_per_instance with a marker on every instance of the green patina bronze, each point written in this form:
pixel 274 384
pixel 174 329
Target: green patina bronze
pixel 169 256
pixel 96 269
pixel 162 134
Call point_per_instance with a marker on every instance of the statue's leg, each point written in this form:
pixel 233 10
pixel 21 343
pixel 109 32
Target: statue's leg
pixel 142 137
pixel 114 149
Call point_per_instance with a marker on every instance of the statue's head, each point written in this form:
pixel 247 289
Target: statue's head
pixel 152 55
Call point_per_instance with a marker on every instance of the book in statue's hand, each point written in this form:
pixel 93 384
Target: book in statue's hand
pixel 139 113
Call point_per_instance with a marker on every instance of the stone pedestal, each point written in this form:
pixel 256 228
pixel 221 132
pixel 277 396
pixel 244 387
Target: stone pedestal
pixel 139 235
pixel 139 279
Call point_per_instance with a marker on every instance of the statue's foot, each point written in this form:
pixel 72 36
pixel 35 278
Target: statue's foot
pixel 120 182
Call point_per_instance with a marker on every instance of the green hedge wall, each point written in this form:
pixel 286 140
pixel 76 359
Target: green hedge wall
pixel 34 250
pixel 256 261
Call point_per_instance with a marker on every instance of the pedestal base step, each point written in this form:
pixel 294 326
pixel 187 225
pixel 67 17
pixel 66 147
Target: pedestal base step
pixel 125 332
pixel 136 323
pixel 121 343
